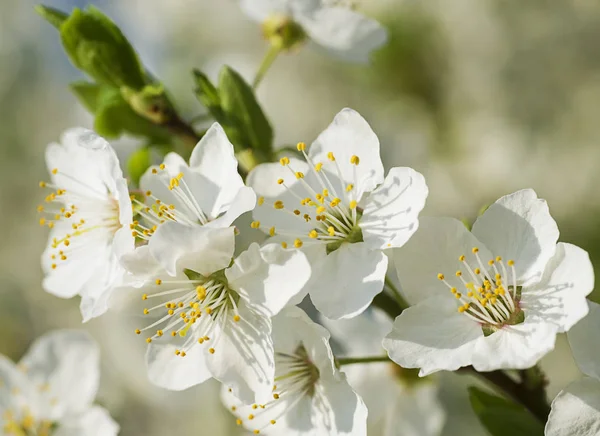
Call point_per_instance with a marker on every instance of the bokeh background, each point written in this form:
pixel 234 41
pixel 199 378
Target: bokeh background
pixel 482 96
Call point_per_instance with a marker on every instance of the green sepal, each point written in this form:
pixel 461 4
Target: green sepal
pixel 52 15
pixel 150 102
pixel 502 417
pixel 137 164
pixel 96 46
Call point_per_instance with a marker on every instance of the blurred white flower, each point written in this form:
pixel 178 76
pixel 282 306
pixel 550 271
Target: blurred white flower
pixel 399 403
pixel 509 311
pixel 212 314
pixel 576 409
pixel 89 213
pixel 331 25
pixel 51 391
pixel 337 206
pixel 310 396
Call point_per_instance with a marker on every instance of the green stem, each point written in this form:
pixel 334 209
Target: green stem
pixel 397 295
pixel 268 60
pixel 371 359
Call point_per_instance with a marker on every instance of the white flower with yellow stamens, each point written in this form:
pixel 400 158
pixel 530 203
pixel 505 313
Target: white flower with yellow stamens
pixel 494 298
pixel 210 314
pixel 89 212
pixel 310 395
pixel 332 25
pixel 336 205
pixel 52 389
pixel 208 192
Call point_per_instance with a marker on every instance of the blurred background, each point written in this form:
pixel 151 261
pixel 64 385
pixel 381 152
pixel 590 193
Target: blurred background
pixel 484 97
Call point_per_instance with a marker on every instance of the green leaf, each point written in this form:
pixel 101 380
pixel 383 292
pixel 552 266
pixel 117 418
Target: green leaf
pixel 51 15
pixel 89 94
pixel 138 163
pixel 502 417
pixel 208 95
pixel 96 46
pixel 246 124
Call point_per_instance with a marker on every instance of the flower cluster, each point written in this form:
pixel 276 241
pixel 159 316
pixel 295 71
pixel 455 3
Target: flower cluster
pixel 493 297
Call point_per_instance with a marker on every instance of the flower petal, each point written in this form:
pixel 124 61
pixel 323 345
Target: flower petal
pixel 244 201
pixel 435 248
pixel 344 33
pixel 560 295
pixel 350 135
pixel 268 277
pixel 515 347
pixel 519 227
pixel 391 212
pixel 95 421
pixel 14 380
pixel 348 279
pixel 170 371
pixel 68 363
pixel 243 357
pixel 337 409
pixel 576 410
pixel 433 336
pixel 260 10
pixel 204 250
pixel 584 342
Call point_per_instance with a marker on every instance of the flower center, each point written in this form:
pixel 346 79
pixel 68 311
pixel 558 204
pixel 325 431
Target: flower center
pixel 155 212
pixel 295 377
pixel 335 217
pixel 26 424
pixel 84 214
pixel 283 32
pixel 491 296
pixel 191 309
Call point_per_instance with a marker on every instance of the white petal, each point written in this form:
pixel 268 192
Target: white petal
pixel 170 371
pixel 434 249
pixel 68 361
pixel 244 201
pixel 140 262
pixel 337 409
pixel 214 159
pixel 415 411
pixel 560 296
pixel 433 336
pixel 268 277
pixel 292 328
pixel 584 342
pixel 391 212
pixel 260 10
pixel 263 179
pixel 519 227
pixel 576 410
pixel 346 282
pixel 350 135
pixel 515 347
pixel 244 358
pixel 93 422
pixel 204 250
pixel 14 380
pixel 344 33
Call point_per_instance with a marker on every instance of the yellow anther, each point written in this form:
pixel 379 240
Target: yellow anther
pixel 353 204
pixel 499 259
pixel 335 202
pixel 299 175
pixel 440 276
pixel 461 258
pixel 325 192
pixel 349 187
pixel 318 166
pixel 148 193
pixel 489 295
pixel 42 221
pixel 251 416
pixel 146 311
pixel 272 231
pixel 177 352
pixel 159 333
pixel 162 166
pixel 183 354
pixel 154 171
pixel 354 160
pixel 491 262
pixel 458 273
pixel 276 396
pixel 40 208
pixel 148 340
pixel 256 431
pixel 475 250
pixel 330 156
pixel 477 271
pixel 331 231
pixel 138 331
pixel 255 406
pixel 321 209
pixel 179 176
pixel 55 170
pixel 238 421
pixel 453 290
pixel 278 204
pixel 158 281
pixel 211 350
pixel 313 234
pixel 42 184
pixel 236 318
pixel 301 146
pixel 284 161
pixel 261 201
pixel 273 422
pixel 297 243
pixel 458 295
pixel 255 224
pixel 461 309
pixel 511 263
pixel 284 245
pixel 208 310
pixel 280 181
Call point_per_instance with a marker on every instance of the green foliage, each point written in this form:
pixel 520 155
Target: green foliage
pixel 96 46
pixel 51 15
pixel 501 417
pixel 138 163
pixel 235 107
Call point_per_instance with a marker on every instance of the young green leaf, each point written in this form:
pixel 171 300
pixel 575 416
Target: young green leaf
pixel 501 417
pixel 208 95
pixel 96 46
pixel 138 163
pixel 51 15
